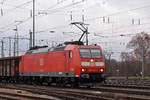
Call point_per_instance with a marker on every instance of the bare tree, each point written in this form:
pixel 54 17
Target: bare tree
pixel 140 40
pixel 129 64
pixel 141 47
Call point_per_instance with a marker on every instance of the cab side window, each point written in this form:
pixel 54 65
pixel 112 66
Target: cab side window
pixel 70 54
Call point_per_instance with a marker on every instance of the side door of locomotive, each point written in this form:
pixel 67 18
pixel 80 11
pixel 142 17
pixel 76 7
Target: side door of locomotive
pixel 68 57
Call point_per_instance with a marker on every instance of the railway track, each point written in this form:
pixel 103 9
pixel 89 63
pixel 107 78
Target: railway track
pixel 127 86
pixel 98 93
pixel 61 93
pixel 133 82
pixel 131 93
pixel 7 94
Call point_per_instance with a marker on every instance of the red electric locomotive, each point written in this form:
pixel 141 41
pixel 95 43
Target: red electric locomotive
pixel 64 64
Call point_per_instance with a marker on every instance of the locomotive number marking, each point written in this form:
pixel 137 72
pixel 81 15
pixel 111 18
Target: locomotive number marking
pixel 72 69
pixel 41 62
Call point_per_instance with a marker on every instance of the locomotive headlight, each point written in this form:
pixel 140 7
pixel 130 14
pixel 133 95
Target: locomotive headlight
pixel 92 60
pixel 85 63
pixel 101 70
pixel 83 69
pixel 99 63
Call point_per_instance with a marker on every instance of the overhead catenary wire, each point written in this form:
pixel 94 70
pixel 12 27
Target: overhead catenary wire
pixel 120 12
pixel 10 26
pixel 117 13
pixel 89 19
pixel 52 11
pixel 81 1
pixel 18 6
pixel 37 14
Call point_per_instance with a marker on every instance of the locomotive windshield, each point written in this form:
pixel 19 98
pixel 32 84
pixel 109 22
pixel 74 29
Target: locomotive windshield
pixel 95 53
pixel 85 53
pixel 90 53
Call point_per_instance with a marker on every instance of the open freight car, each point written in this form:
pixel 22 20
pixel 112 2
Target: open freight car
pixel 9 68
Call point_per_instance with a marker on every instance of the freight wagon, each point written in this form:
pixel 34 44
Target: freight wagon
pixel 9 67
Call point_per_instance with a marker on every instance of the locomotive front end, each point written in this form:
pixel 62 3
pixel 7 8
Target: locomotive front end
pixel 92 64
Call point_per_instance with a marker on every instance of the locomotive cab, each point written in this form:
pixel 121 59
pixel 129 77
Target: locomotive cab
pixel 87 62
pixel 92 64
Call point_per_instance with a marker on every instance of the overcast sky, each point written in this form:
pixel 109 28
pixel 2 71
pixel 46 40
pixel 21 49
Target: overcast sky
pixel 55 15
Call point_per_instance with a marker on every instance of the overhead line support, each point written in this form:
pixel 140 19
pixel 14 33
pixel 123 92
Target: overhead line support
pixel 33 23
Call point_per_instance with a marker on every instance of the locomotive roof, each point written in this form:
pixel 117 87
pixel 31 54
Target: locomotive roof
pixel 46 49
pixel 58 48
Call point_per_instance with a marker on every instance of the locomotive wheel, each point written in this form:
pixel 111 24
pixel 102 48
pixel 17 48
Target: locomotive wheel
pixel 75 85
pixel 64 82
pixel 58 82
